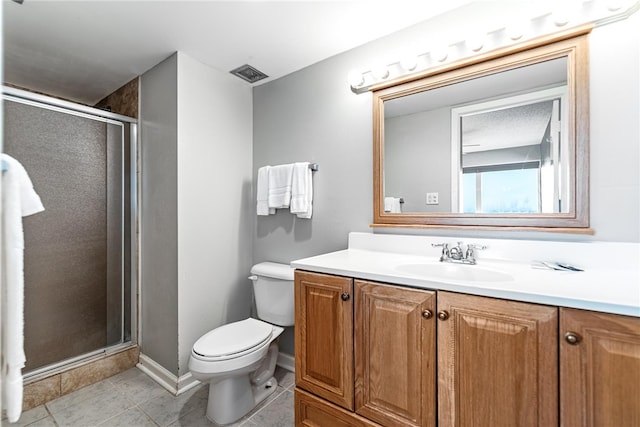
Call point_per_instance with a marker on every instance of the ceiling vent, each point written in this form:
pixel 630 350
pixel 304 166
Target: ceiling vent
pixel 248 73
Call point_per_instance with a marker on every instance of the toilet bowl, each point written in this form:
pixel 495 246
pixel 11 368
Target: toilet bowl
pixel 238 359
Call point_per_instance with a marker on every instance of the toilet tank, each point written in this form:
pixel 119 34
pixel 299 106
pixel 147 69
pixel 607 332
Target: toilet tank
pixel 273 291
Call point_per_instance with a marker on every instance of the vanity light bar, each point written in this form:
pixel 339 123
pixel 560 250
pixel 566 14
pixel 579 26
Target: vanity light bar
pixel 595 12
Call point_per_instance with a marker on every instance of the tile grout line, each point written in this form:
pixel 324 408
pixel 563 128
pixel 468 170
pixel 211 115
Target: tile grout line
pixel 55 422
pixel 265 406
pixel 146 415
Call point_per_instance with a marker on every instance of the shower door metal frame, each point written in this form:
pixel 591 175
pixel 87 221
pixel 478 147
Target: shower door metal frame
pixel 67 107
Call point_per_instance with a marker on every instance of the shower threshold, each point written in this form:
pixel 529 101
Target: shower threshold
pixel 74 362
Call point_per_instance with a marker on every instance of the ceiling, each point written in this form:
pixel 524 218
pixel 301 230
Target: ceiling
pixel 84 50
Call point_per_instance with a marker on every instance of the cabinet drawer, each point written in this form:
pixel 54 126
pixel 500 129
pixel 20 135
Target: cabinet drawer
pixel 314 412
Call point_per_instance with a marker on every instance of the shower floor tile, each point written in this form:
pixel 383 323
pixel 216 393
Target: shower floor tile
pixel 132 399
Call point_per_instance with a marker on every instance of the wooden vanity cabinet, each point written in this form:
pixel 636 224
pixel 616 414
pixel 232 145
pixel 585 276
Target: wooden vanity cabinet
pixel 497 362
pixel 395 354
pixel 599 369
pixel 372 354
pixel 324 336
pixel 394 348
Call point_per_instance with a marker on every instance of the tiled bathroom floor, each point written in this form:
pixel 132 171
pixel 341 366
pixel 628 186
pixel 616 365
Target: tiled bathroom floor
pixel 132 399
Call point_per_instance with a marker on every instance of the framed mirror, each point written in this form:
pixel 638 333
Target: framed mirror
pixel 499 140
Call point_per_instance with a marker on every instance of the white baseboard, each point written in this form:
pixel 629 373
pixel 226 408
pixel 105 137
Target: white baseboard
pixel 286 361
pixel 165 378
pixel 186 382
pixel 177 386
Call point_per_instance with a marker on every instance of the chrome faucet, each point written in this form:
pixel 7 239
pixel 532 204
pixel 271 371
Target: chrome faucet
pixel 458 254
pixel 445 250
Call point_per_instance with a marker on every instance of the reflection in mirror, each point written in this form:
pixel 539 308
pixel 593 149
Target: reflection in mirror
pixel 493 129
pixel 514 154
pixel 473 146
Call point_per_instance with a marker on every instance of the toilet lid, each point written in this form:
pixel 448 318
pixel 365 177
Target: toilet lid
pixel 233 338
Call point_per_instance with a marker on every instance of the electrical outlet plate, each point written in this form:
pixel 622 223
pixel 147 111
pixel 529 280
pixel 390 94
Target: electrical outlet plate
pixel 432 198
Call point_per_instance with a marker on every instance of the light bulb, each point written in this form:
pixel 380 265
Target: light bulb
pixel 560 18
pixel 614 5
pixel 516 29
pixel 440 53
pixel 355 78
pixel 564 12
pixel 409 62
pixel 475 42
pixel 380 72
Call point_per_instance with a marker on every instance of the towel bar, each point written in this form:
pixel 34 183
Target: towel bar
pixel 313 167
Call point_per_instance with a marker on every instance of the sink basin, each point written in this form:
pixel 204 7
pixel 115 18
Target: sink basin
pixel 455 272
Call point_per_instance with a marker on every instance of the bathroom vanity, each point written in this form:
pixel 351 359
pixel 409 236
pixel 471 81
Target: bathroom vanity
pixel 387 335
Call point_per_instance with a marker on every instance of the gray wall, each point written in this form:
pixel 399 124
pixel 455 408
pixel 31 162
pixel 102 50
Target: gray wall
pixel 196 139
pixel 214 201
pixel 312 115
pixel 421 143
pixel 159 213
pixel 615 131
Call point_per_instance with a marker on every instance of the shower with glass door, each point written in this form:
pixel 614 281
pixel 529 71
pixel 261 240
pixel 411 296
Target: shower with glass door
pixel 79 268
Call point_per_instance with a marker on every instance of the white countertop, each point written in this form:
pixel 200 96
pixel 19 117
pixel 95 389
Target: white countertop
pixel 599 288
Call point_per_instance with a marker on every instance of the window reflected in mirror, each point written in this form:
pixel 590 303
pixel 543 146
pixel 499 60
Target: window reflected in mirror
pixel 513 154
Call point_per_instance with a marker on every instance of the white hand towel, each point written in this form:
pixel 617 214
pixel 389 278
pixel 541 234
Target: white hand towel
pixel 262 191
pixel 302 190
pixel 280 186
pixel 18 199
pixel 392 205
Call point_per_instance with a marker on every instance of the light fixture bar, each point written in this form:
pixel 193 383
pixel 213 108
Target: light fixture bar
pixel 594 12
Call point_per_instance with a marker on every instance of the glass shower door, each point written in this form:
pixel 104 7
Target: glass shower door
pixel 76 265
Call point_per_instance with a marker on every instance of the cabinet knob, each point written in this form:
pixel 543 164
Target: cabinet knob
pixel 427 314
pixel 443 315
pixel 572 338
pixel 345 296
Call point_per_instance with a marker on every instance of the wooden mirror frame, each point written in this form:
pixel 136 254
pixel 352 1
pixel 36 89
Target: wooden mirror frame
pixel 571 44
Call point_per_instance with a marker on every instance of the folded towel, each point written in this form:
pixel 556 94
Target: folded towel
pixel 263 192
pixel 18 199
pixel 392 205
pixel 280 180
pixel 302 190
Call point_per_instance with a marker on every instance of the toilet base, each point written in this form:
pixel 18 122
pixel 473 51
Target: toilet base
pixel 234 397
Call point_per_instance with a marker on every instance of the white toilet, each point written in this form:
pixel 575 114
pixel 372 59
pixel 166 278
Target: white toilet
pixel 238 359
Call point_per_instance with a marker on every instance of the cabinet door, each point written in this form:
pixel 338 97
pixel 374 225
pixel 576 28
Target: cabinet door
pixel 313 412
pixel 395 354
pixel 324 336
pixel 497 362
pixel 599 369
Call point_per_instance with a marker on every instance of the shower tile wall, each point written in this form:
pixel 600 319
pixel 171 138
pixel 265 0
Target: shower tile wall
pixel 123 101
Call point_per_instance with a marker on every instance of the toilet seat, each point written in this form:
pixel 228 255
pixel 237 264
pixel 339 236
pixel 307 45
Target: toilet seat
pixel 233 340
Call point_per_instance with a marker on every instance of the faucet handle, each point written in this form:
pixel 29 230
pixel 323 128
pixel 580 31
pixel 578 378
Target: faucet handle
pixel 471 248
pixel 445 250
pixel 476 247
